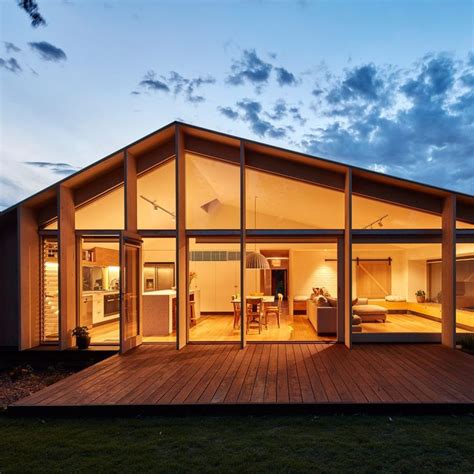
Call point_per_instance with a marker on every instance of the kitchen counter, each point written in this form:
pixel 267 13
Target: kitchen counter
pixel 158 311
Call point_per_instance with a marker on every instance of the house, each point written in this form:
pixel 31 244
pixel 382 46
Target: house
pixel 157 243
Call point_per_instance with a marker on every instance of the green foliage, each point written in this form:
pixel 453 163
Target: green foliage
pixel 80 331
pixel 420 293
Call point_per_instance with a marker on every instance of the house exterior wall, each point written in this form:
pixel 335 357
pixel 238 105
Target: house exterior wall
pixel 9 278
pixel 18 321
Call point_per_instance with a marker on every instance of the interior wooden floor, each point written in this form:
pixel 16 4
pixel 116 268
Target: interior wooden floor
pixel 219 328
pixel 405 323
pixel 223 374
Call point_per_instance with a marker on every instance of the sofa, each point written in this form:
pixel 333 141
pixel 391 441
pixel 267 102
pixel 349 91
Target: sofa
pixel 323 318
pixel 369 313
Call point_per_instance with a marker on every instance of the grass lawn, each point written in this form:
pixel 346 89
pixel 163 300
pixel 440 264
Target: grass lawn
pixel 245 444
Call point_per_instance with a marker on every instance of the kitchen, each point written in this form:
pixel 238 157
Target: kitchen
pixel 100 284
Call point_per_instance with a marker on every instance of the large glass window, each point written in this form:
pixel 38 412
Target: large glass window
pixel 212 193
pixel 295 297
pixel 465 288
pixel 395 288
pixel 99 287
pixel 156 192
pixel 104 212
pixel 159 290
pixel 214 274
pixel 372 214
pixel 274 202
pixel 49 291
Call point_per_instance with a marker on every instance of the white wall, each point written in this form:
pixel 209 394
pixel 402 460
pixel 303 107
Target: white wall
pixel 309 269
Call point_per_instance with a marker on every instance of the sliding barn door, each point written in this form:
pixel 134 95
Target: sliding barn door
pixel 374 279
pixel 130 292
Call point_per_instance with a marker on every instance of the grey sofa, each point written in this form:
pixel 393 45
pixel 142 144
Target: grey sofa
pixel 322 318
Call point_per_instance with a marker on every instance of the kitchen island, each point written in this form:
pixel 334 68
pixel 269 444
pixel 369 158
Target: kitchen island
pixel 158 313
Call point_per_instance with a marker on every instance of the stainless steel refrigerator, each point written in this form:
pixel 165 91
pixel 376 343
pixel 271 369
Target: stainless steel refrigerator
pixel 158 276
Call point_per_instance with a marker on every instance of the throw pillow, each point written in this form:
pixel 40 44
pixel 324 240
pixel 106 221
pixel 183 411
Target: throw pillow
pixel 332 301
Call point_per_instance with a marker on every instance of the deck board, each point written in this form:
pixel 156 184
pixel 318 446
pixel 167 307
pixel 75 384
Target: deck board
pixel 294 374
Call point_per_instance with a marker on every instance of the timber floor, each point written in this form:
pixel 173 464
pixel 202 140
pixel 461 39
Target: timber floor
pixel 265 374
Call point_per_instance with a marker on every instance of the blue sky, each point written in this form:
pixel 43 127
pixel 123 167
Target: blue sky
pixel 378 84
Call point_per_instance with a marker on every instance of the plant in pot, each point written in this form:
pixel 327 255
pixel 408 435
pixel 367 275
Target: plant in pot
pixel 420 296
pixel 82 337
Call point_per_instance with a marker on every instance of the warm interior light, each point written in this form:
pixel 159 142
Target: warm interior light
pixel 256 261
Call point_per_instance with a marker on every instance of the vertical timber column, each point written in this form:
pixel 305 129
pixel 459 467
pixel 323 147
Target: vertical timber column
pixel 340 290
pixel 130 188
pixel 243 225
pixel 182 293
pixel 348 260
pixel 67 266
pixel 448 265
pixel 29 278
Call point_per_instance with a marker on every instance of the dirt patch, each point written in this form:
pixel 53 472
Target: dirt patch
pixel 21 381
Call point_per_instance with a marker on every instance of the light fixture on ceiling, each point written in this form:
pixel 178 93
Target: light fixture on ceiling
pixel 378 222
pixel 158 207
pixel 255 260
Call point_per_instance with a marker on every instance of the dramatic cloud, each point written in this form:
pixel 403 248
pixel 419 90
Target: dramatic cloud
pixel 63 169
pixel 176 83
pixel 11 48
pixel 285 77
pixel 417 123
pixel 252 114
pixel 360 83
pixel 251 69
pixel 31 7
pixel 48 52
pixel 229 112
pixel 10 64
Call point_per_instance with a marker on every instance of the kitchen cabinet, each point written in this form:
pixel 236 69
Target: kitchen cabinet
pixel 218 281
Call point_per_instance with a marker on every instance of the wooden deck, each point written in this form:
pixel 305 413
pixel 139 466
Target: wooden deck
pixel 315 375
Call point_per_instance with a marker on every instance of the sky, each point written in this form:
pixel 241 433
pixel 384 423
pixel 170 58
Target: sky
pixel 384 85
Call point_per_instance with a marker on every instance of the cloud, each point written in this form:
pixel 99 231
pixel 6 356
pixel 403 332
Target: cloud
pixel 63 169
pixel 151 83
pixel 249 69
pixel 252 114
pixel 176 83
pixel 11 48
pixel 285 77
pixel 229 112
pixel 360 83
pixel 417 123
pixel 48 52
pixel 10 64
pixel 31 7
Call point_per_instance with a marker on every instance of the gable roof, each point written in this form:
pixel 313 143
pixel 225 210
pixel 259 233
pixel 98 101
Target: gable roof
pixel 166 133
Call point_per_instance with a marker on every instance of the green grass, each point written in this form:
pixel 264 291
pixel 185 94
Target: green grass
pixel 243 444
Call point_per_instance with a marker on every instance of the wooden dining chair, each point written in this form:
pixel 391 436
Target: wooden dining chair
pixel 254 313
pixel 237 312
pixel 274 309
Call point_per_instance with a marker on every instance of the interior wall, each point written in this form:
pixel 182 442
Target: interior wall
pixel 311 270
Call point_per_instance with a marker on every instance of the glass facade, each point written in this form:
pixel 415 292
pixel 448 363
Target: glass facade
pixel 49 323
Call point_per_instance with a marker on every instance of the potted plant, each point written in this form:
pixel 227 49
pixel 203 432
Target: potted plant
pixel 83 339
pixel 420 296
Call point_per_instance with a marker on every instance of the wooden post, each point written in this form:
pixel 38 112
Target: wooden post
pixel 340 290
pixel 29 283
pixel 348 259
pixel 130 192
pixel 182 291
pixel 67 266
pixel 448 257
pixel 243 252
